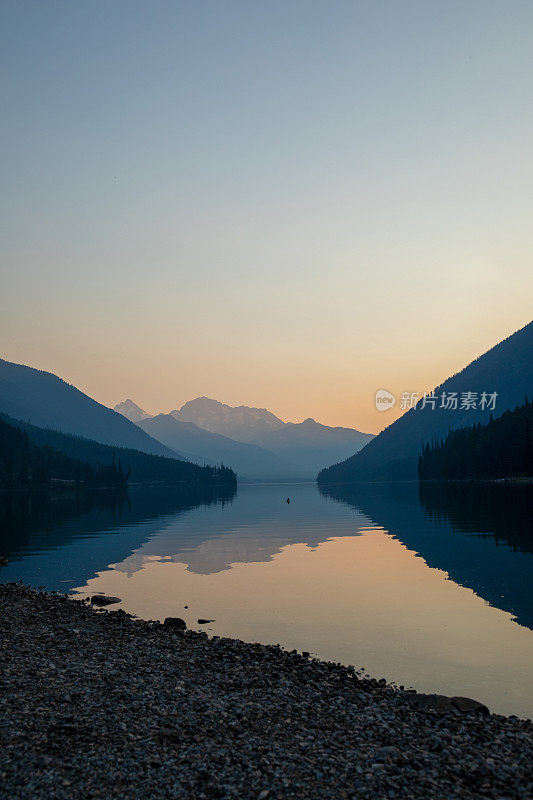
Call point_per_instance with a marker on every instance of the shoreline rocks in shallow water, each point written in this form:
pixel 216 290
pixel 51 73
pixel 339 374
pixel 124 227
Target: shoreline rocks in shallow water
pixel 104 600
pixel 121 708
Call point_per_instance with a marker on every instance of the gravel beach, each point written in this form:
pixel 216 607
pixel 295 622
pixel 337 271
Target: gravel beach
pixel 95 704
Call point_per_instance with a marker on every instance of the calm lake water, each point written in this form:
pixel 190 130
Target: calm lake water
pixel 429 588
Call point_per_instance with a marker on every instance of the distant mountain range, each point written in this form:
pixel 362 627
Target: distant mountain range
pixel 259 445
pixel 253 441
pixel 248 460
pixel 256 443
pixel 242 423
pixel 506 369
pixel 309 443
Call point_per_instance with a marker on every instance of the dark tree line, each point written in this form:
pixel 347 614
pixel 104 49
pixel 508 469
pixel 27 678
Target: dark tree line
pixel 47 454
pixel 24 464
pixel 502 448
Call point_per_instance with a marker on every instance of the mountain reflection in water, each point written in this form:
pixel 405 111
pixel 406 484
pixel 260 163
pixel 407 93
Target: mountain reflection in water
pixel 481 534
pixel 395 578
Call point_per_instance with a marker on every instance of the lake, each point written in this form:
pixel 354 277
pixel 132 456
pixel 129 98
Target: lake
pixel 430 588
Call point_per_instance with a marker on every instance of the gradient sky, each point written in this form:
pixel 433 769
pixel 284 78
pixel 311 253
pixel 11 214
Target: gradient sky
pixel 285 204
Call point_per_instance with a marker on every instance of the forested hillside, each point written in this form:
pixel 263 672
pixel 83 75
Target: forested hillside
pixel 45 454
pixel 501 449
pixel 24 464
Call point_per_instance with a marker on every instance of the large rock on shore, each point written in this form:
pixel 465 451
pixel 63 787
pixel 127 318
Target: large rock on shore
pixel 175 622
pixel 444 704
pixel 104 600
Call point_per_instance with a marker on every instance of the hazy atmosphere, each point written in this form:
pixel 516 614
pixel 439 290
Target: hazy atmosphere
pixel 257 202
pixel 266 400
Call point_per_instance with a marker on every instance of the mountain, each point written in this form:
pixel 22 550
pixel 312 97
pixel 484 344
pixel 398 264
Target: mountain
pixel 48 402
pixel 40 448
pixel 131 411
pixel 242 423
pixel 506 369
pixel 294 450
pixel 311 445
pixel 248 460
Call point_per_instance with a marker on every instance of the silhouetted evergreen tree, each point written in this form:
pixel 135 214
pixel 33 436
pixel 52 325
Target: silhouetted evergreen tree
pixel 503 448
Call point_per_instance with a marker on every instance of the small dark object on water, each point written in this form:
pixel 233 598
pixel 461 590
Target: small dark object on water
pixel 205 621
pixel 175 622
pixel 288 499
pixel 3 561
pixel 103 600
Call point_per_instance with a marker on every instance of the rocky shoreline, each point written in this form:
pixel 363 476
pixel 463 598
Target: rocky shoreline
pixel 95 704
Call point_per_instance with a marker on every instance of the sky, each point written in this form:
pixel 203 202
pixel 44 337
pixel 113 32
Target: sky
pixel 288 205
